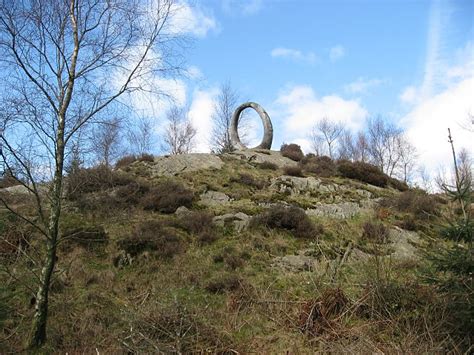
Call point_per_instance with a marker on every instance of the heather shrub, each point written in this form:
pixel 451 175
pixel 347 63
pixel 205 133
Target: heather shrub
pixel 293 171
pixel 8 179
pixel 249 180
pixel 199 223
pixel 292 151
pixel 223 283
pixel 131 193
pixel 266 165
pixel 375 232
pixel 167 197
pixel 125 161
pixel 99 178
pixel 320 165
pixel 417 202
pixel 86 237
pixel 146 158
pixel 290 218
pixel 363 172
pixel 152 236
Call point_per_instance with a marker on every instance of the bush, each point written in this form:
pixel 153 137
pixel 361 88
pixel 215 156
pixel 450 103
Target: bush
pixel 200 224
pixel 167 197
pixel 268 166
pixel 375 232
pixel 85 237
pixel 290 218
pixel 322 166
pixel 292 151
pixel 146 158
pixel 131 193
pixel 100 178
pixel 8 179
pixel 152 236
pixel 249 180
pixel 397 184
pixel 224 283
pixel 293 171
pixel 363 172
pixel 417 202
pixel 125 161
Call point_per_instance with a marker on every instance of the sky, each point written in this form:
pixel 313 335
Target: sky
pixel 411 62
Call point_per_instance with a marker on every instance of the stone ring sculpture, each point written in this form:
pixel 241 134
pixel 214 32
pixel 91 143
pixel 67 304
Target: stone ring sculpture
pixel 267 127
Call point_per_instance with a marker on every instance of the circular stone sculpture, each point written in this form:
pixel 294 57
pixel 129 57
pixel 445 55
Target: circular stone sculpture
pixel 267 127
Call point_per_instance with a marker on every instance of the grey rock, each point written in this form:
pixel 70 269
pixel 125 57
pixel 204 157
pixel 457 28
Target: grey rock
pixel 342 210
pixel 213 198
pixel 174 164
pixel 295 263
pixel 301 185
pixel 182 211
pixel 267 156
pixel 239 221
pixel 403 243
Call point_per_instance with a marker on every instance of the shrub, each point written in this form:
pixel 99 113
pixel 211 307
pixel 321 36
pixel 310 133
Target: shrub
pixel 146 158
pixel 293 171
pixel 290 218
pixel 363 172
pixel 152 236
pixel 85 237
pixel 167 197
pixel 224 283
pixel 200 224
pixel 321 315
pixel 375 232
pixel 417 202
pixel 249 180
pixel 322 166
pixel 8 179
pixel 292 151
pixel 131 193
pixel 268 166
pixel 98 178
pixel 125 161
pixel 397 184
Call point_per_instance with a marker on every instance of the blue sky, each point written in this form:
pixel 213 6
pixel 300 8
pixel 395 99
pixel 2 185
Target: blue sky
pixel 410 61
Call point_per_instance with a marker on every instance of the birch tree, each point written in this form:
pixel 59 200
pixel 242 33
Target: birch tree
pixel 62 63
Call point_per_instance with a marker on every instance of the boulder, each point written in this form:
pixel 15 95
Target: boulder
pixel 171 165
pixel 239 220
pixel 261 156
pixel 213 198
pixel 341 210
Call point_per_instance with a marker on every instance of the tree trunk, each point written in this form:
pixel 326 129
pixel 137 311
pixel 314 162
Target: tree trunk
pixel 38 337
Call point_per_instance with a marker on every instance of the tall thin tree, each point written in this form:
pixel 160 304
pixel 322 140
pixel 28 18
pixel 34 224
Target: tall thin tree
pixel 63 62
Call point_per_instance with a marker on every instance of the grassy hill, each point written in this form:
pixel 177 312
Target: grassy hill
pixel 247 252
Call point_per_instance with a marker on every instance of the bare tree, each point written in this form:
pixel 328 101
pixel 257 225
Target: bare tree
pixel 227 102
pixel 106 141
pixel 180 133
pixel 353 147
pixel 384 144
pixel 328 132
pixel 140 136
pixel 407 162
pixel 63 62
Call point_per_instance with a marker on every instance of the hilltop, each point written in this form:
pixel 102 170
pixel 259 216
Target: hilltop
pixel 235 253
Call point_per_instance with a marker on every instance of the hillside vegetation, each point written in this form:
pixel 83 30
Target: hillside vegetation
pixel 248 252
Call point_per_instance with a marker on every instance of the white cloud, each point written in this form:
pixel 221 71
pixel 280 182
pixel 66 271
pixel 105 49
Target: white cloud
pixel 409 95
pixel 362 85
pixel 427 125
pixel 293 54
pixel 244 7
pixel 336 52
pixel 200 114
pixel 191 20
pixel 194 73
pixel 300 109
